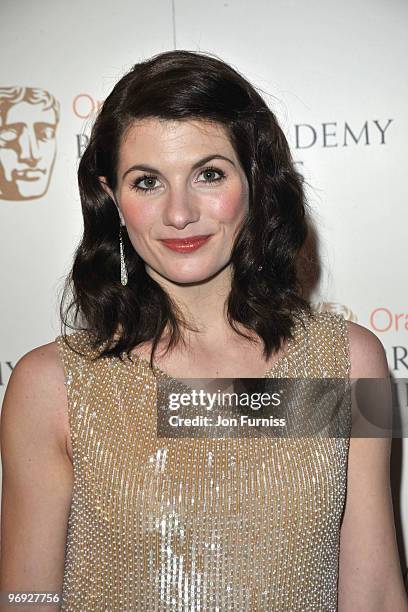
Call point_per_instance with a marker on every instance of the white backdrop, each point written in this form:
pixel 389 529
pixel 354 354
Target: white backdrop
pixel 335 74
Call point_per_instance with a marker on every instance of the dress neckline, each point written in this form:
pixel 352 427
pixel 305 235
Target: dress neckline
pixel 291 343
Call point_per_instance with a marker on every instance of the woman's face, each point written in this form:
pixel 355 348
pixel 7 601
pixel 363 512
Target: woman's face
pixel 179 179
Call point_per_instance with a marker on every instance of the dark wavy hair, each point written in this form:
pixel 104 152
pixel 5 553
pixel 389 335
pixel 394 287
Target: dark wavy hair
pixel 185 85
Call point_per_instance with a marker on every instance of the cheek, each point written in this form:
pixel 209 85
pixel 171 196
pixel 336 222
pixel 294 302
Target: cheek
pixel 48 150
pixel 8 157
pixel 231 206
pixel 138 215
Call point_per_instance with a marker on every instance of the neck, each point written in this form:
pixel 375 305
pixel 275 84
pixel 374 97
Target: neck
pixel 204 306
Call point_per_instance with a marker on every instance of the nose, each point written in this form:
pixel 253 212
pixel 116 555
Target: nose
pixel 181 207
pixel 29 149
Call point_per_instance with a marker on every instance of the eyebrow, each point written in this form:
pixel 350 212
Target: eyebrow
pixel 199 163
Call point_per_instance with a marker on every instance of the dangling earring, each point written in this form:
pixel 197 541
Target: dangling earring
pixel 260 268
pixel 123 271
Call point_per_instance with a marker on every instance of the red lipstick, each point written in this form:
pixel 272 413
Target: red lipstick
pixel 186 245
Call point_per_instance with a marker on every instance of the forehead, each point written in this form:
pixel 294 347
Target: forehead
pixel 167 138
pixel 24 112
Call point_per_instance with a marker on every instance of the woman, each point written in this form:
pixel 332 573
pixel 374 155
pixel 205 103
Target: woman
pixel 194 216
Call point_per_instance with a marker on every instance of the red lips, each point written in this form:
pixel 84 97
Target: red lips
pixel 186 244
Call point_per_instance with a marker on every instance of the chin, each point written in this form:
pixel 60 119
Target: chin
pixel 187 277
pixel 184 277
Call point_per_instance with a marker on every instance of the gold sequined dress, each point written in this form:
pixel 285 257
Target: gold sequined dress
pixel 190 524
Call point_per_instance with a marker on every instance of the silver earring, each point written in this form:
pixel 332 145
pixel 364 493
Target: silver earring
pixel 260 268
pixel 123 271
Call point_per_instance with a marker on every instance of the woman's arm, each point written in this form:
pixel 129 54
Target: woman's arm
pixel 37 477
pixel 370 577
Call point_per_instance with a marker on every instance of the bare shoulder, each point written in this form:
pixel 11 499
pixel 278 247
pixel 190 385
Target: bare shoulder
pixel 367 354
pixel 37 474
pixel 36 394
pixel 43 360
pixel 369 580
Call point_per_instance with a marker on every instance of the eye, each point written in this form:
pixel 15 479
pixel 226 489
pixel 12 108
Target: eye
pixel 45 131
pixel 211 170
pixel 149 178
pixel 7 135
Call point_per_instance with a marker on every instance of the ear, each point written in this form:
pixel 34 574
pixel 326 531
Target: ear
pixel 108 190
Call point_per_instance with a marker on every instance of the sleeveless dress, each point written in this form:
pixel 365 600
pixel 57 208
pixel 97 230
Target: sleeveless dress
pixel 190 524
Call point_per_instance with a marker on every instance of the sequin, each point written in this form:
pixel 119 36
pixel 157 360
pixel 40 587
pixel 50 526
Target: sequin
pixel 196 524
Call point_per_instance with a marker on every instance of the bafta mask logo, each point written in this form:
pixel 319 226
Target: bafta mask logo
pixel 28 125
